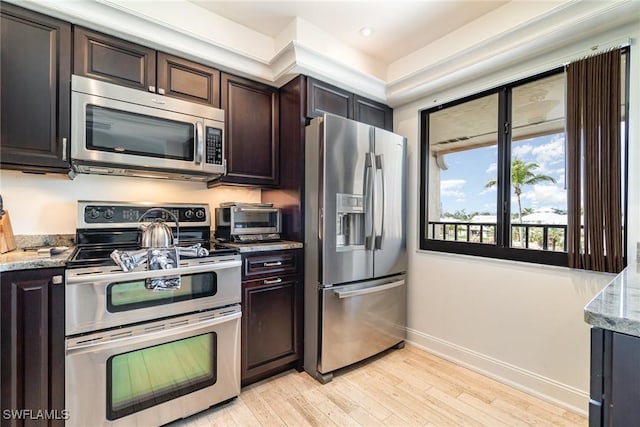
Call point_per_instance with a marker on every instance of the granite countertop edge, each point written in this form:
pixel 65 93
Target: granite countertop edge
pixel 20 259
pixel 264 246
pixel 26 257
pixel 617 306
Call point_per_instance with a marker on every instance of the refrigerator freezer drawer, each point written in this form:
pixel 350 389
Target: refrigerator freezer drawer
pixel 361 320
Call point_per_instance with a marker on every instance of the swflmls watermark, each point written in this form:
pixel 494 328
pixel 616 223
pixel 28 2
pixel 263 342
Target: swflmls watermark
pixel 35 414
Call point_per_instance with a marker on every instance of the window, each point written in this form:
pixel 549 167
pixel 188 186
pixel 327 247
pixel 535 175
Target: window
pixel 538 197
pixel 493 172
pixel 463 145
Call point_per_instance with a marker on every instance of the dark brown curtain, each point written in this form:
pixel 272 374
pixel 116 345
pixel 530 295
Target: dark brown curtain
pixel 594 229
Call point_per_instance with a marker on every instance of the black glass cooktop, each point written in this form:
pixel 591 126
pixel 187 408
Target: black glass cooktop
pixel 96 255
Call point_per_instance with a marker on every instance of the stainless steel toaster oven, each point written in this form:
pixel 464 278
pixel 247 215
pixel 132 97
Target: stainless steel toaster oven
pixel 248 222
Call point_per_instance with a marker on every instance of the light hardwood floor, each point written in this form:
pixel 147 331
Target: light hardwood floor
pixel 407 387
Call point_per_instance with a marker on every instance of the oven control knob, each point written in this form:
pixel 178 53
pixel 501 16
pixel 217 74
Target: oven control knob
pixel 108 214
pixel 93 213
pixel 188 214
pixel 200 213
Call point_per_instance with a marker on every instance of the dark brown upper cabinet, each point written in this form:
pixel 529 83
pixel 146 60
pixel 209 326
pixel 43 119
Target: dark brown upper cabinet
pixel 180 78
pixel 35 95
pixel 117 61
pixel 113 60
pixel 372 113
pixel 252 136
pixel 325 98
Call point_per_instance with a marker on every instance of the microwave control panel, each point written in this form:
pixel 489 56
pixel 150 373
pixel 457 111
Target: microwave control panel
pixel 214 146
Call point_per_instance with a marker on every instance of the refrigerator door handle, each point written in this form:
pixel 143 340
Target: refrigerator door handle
pixel 374 289
pixel 381 188
pixel 369 239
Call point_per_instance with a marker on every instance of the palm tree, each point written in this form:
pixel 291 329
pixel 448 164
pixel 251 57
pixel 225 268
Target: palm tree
pixel 522 173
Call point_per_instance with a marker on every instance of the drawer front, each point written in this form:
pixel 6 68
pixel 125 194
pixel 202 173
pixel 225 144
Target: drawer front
pixel 361 320
pixel 271 263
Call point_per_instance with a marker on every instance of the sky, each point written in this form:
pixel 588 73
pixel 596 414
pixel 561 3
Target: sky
pixel 463 184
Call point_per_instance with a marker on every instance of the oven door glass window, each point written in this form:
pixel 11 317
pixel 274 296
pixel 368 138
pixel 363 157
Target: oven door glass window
pixel 147 377
pixel 124 132
pixel 125 296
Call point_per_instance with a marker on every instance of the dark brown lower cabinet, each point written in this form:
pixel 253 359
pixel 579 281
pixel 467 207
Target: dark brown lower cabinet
pixel 32 340
pixel 271 314
pixel 615 379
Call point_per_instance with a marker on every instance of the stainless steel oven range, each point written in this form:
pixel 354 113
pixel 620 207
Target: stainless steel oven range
pixel 135 356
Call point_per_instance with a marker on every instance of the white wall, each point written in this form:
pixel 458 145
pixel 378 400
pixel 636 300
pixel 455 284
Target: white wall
pixel 521 323
pixel 46 204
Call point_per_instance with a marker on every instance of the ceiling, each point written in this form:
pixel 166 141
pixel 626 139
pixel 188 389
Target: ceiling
pixel 399 27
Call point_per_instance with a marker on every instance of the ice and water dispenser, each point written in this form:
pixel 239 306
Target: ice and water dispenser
pixel 349 221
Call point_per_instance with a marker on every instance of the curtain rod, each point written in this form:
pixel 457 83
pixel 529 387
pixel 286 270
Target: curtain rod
pixel 601 48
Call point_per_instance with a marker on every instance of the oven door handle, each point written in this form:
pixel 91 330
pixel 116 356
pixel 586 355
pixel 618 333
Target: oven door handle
pixel 118 275
pixel 154 332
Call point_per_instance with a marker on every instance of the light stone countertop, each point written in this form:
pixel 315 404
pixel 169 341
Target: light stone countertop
pixel 20 259
pixel 263 246
pixel 617 306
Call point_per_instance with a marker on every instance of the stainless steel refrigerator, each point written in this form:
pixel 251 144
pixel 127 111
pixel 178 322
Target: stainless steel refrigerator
pixel 355 243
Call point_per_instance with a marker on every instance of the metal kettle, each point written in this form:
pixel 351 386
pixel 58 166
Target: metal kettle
pixel 157 234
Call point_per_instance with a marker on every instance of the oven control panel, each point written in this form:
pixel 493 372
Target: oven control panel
pixel 124 214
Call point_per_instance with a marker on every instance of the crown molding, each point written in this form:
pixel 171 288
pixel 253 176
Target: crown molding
pixel 574 24
pixel 569 23
pixel 325 68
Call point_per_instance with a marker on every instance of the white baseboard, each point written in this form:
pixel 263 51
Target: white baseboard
pixel 559 394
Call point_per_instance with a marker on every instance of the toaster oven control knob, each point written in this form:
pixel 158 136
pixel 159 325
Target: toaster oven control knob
pixel 199 213
pixel 188 214
pixel 108 214
pixel 93 213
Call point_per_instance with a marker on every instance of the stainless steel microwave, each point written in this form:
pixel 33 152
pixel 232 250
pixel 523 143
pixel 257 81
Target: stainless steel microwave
pixel 117 130
pixel 248 222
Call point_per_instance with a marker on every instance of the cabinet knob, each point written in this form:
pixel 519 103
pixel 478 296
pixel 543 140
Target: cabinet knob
pixel 273 281
pixel 57 280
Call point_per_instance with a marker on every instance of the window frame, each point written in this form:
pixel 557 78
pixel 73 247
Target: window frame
pixel 501 248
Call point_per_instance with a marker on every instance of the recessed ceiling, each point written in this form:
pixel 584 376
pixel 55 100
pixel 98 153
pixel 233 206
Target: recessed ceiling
pixel 399 27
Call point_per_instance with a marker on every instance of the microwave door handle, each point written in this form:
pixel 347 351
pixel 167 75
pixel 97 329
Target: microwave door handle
pixel 199 143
